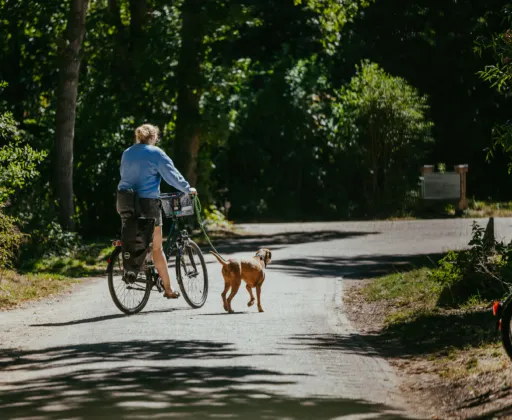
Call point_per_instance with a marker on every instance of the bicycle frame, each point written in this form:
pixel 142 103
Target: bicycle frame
pixel 176 239
pixel 172 237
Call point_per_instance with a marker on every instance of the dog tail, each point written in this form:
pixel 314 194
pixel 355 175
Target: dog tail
pixel 219 258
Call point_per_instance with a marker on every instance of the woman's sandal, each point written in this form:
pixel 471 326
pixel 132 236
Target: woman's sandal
pixel 173 295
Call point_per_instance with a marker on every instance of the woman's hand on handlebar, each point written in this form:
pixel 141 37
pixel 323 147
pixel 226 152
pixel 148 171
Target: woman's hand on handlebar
pixel 193 191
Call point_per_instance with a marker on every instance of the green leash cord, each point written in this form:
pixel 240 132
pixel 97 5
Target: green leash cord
pixel 197 208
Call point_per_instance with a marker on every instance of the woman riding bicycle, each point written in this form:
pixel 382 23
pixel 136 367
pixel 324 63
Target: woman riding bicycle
pixel 143 165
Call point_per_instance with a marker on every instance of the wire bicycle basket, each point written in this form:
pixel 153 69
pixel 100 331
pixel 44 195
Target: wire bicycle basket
pixel 177 204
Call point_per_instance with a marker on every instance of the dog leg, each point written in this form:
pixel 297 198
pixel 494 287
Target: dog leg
pixel 258 294
pixel 234 291
pixel 223 294
pixel 249 289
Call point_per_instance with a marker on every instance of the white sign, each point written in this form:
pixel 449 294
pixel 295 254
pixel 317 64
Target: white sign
pixel 438 186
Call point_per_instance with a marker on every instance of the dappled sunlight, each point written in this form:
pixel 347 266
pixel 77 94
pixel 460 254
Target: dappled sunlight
pixel 152 391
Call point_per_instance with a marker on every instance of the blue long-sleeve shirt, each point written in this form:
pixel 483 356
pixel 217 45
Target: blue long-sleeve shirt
pixel 142 168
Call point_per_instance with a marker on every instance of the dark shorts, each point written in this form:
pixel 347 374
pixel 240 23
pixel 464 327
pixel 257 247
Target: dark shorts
pixel 127 206
pixel 151 208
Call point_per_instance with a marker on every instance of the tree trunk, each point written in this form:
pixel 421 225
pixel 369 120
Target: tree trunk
pixel 69 70
pixel 12 72
pixel 139 17
pixel 188 122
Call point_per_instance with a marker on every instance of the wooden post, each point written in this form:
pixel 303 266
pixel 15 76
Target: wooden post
pixel 462 170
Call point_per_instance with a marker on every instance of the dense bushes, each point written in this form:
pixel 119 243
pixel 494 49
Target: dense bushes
pixel 484 270
pixel 326 152
pixel 18 165
pixel 386 132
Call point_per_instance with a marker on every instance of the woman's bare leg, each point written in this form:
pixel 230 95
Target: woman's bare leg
pixel 160 260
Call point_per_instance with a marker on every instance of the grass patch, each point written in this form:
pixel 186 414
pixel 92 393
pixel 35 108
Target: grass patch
pixel 459 341
pixel 89 259
pixel 482 360
pixel 477 208
pixel 17 288
pixel 441 209
pixel 404 289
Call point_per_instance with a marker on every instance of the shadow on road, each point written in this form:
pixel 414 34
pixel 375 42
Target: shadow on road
pixel 360 267
pixel 156 350
pixel 103 318
pixel 251 243
pixel 346 343
pixel 150 391
pixel 425 334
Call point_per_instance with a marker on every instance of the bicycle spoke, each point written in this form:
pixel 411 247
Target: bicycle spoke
pixel 128 294
pixel 193 275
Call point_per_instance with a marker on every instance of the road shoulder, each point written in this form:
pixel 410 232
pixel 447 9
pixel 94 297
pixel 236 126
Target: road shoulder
pixel 424 379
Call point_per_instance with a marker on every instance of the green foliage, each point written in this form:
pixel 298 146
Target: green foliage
pixel 331 16
pixel 18 161
pixel 385 128
pixel 448 271
pixel 483 270
pixel 403 288
pixel 215 218
pixel 51 240
pixel 10 240
pixel 499 75
pixel 87 259
pixel 431 45
pixel 274 99
pixel 16 288
pixel 18 164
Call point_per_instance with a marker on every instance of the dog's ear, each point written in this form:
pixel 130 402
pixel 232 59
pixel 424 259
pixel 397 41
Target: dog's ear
pixel 269 253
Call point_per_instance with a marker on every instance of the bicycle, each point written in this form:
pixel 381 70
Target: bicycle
pixel 502 310
pixel 131 295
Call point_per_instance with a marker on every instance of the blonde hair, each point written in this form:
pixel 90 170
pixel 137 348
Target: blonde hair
pixel 147 134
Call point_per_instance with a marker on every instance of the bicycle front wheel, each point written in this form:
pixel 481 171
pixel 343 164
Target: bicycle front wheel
pixel 130 296
pixel 192 274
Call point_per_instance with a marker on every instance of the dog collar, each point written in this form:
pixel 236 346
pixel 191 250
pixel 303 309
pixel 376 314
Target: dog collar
pixel 262 259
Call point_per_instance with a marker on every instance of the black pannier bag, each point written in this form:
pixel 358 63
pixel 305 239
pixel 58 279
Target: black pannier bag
pixel 137 242
pixel 136 234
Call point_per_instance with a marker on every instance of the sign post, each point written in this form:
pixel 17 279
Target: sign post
pixel 445 186
pixel 462 170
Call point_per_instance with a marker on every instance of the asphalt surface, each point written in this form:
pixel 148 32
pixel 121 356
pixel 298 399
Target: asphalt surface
pixel 77 356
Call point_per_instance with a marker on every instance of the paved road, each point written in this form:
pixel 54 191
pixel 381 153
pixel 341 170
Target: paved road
pixel 78 357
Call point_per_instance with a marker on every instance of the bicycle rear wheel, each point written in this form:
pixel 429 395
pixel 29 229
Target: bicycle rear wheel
pixel 192 274
pixel 130 296
pixel 506 328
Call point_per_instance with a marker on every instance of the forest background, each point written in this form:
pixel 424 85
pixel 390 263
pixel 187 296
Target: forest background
pixel 288 110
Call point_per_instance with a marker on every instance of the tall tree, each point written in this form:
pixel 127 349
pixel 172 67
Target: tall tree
pixel 66 110
pixel 190 88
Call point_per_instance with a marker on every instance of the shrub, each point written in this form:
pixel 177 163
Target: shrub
pixel 484 269
pixel 215 218
pixel 18 164
pixel 10 240
pixel 51 241
pixel 383 126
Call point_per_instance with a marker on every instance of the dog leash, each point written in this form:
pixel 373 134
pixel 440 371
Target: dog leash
pixel 197 207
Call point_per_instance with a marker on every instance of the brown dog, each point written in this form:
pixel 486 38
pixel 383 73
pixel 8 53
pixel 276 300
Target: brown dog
pixel 251 270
